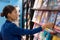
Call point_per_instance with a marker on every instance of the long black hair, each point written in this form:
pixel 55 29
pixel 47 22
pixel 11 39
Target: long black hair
pixel 7 9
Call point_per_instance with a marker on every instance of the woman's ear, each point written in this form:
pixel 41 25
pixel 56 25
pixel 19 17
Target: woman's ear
pixel 9 14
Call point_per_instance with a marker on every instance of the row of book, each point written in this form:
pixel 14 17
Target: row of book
pixel 51 4
pixel 42 17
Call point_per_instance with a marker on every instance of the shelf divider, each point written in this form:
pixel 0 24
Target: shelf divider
pixel 46 9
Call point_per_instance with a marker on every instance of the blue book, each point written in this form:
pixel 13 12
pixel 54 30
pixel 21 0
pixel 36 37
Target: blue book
pixel 58 20
pixel 52 17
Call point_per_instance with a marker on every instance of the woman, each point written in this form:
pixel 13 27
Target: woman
pixel 9 30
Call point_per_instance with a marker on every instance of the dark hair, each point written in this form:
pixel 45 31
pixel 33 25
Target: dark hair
pixel 7 9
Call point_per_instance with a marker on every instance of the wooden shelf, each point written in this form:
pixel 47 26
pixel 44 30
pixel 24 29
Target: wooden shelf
pixel 46 9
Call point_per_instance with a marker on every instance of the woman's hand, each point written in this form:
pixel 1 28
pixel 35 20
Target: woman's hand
pixel 47 25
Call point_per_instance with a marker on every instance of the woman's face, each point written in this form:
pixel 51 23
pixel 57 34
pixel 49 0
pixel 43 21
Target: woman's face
pixel 13 15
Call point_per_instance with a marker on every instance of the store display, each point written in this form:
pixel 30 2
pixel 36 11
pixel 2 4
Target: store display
pixel 52 18
pixel 40 18
pixel 46 17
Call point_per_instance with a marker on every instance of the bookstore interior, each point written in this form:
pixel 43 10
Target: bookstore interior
pixel 35 13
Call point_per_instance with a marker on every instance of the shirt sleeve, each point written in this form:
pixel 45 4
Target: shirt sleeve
pixel 20 31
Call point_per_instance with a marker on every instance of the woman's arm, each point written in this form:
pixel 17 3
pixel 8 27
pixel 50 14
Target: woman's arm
pixel 20 31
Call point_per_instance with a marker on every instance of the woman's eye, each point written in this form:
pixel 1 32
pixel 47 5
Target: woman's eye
pixel 19 10
pixel 15 11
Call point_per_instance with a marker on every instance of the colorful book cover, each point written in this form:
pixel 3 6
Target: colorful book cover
pixel 34 16
pixel 57 25
pixel 44 4
pixel 44 18
pixel 55 37
pixel 52 17
pixel 41 36
pixel 52 4
pixel 36 36
pixel 37 4
pixel 37 16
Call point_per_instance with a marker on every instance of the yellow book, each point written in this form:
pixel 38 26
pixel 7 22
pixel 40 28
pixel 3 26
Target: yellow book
pixel 54 37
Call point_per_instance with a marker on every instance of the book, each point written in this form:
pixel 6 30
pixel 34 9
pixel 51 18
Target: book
pixel 37 17
pixel 52 4
pixel 44 18
pixel 57 24
pixel 37 4
pixel 52 17
pixel 45 4
pixel 37 34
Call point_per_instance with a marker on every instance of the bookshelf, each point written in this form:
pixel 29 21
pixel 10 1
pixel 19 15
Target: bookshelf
pixel 46 9
pixel 49 6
